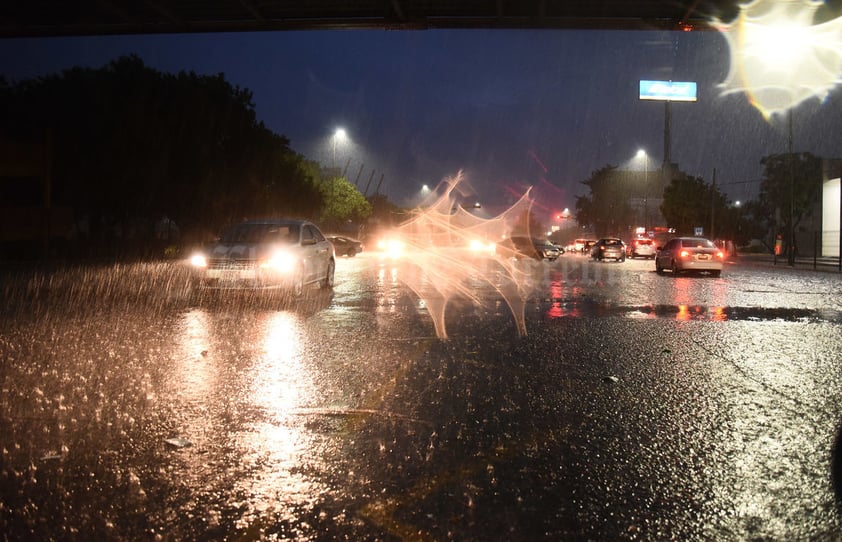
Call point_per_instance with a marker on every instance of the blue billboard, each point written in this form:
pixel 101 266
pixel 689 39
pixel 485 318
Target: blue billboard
pixel 673 91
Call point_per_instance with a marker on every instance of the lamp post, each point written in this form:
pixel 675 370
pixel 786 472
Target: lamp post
pixel 337 135
pixel 642 154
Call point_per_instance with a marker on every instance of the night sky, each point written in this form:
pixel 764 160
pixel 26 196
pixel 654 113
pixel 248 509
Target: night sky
pixel 512 109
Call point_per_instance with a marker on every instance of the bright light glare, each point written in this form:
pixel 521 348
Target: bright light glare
pixel 478 246
pixel 684 254
pixel 778 57
pixel 437 267
pixel 280 261
pixel 340 134
pixel 392 248
pixel 198 260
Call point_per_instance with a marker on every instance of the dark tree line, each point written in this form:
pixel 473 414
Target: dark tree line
pixel 129 144
pixel 789 193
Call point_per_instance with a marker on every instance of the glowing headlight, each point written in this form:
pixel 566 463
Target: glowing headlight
pixel 392 247
pixel 280 261
pixel 478 246
pixel 198 260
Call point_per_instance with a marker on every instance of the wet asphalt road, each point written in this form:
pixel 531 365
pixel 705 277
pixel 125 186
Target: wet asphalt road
pixel 637 407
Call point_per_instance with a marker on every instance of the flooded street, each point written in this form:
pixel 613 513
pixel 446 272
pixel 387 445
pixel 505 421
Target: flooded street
pixel 637 406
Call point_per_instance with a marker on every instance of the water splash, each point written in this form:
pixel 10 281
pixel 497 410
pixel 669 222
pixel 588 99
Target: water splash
pixel 779 58
pixel 446 250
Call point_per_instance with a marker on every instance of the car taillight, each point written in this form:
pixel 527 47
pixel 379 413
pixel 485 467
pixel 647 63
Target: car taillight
pixel 720 255
pixel 684 254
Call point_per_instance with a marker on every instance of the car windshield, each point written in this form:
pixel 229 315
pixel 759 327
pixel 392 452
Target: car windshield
pixel 260 233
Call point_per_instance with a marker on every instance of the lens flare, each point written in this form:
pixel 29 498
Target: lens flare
pixel 440 259
pixel 779 58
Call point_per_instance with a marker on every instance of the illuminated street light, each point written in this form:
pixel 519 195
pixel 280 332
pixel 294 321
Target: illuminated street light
pixel 338 135
pixel 642 154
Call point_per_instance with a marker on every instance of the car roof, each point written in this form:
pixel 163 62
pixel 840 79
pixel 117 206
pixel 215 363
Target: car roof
pixel 278 221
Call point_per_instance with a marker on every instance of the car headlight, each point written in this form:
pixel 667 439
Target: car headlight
pixel 478 246
pixel 198 260
pixel 280 261
pixel 392 247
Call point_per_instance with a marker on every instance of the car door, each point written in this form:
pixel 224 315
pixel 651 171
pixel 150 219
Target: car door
pixel 317 252
pixel 665 254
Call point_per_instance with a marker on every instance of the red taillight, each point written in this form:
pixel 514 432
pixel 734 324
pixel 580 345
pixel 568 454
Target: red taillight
pixel 684 254
pixel 720 255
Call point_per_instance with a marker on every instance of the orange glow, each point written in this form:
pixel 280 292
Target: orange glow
pixel 779 58
pixel 684 254
pixel 435 264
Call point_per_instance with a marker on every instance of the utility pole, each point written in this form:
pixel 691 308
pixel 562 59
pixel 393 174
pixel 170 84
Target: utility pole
pixel 365 194
pixel 791 254
pixel 357 180
pixel 713 205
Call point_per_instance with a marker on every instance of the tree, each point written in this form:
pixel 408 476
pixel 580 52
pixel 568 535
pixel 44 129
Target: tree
pixel 790 188
pixel 689 202
pixel 130 144
pixel 607 207
pixel 342 203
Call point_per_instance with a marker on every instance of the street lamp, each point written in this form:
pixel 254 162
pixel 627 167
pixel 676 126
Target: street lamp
pixel 642 154
pixel 339 134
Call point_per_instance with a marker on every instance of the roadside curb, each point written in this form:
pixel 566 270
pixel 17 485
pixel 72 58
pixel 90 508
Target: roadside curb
pixel 824 264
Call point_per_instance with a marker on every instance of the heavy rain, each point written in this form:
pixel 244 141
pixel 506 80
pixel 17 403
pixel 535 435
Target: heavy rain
pixel 463 370
pixel 639 406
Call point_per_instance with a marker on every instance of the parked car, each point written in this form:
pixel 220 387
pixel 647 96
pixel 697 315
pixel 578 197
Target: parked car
pixel 278 253
pixel 345 246
pixel 641 247
pixel 684 254
pixel 609 248
pixel 529 247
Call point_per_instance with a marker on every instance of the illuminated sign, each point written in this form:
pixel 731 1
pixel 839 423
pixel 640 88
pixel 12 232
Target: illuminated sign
pixel 673 91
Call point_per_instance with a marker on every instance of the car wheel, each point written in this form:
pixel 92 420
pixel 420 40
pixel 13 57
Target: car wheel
pixel 674 269
pixel 658 268
pixel 327 282
pixel 298 283
pixel 621 259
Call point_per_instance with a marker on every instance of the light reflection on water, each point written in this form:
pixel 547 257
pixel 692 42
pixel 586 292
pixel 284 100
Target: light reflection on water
pixel 281 383
pixel 243 420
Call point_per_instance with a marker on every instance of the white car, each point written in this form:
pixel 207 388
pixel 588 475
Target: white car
pixel 263 254
pixel 685 254
pixel 642 247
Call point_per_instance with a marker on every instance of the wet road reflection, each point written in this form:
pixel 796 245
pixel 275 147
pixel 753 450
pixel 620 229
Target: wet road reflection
pixel 242 382
pixel 638 406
